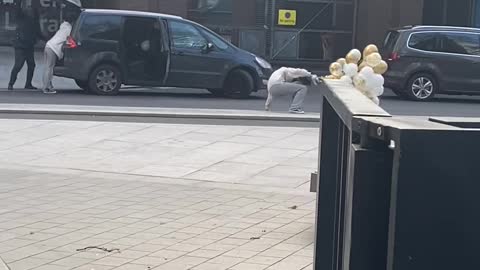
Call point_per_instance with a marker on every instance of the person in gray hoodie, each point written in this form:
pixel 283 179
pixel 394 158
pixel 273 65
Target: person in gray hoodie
pixel 290 81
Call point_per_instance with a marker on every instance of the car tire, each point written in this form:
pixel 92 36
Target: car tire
pixel 240 84
pixel 82 84
pixel 217 92
pixel 105 80
pixel 421 87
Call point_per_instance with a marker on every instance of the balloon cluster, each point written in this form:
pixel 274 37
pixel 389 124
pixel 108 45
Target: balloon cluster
pixel 365 73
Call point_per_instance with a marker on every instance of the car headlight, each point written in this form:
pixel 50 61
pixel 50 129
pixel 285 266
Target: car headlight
pixel 263 63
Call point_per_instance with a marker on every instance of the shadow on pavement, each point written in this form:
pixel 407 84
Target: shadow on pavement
pixel 438 99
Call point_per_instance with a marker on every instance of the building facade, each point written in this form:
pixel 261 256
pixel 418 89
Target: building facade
pixel 281 30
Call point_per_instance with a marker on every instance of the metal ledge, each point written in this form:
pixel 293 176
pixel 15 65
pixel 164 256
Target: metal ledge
pixel 348 102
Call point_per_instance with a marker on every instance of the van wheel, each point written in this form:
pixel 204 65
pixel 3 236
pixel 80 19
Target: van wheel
pixel 82 84
pixel 421 87
pixel 240 84
pixel 105 80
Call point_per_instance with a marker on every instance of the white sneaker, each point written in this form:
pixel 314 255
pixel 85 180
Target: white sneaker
pixel 49 91
pixel 297 111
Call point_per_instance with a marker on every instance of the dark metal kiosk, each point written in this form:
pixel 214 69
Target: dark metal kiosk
pixel 395 193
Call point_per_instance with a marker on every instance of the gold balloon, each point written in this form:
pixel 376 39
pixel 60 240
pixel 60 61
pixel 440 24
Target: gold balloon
pixel 342 61
pixel 381 68
pixel 362 65
pixel 369 50
pixel 336 69
pixel 373 59
pixel 331 77
pixel 351 59
pixel 360 82
pixel 354 56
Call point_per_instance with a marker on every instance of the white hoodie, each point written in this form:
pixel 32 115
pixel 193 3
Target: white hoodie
pixel 285 74
pixel 57 41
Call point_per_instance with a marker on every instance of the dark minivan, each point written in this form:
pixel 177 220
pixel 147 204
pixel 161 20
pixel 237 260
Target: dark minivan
pixel 108 48
pixel 428 60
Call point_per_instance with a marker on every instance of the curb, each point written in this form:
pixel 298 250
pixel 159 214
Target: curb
pixel 155 113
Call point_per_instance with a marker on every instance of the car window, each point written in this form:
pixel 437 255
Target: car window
pixel 424 41
pixel 186 36
pixel 461 43
pixel 391 40
pixel 101 27
pixel 218 42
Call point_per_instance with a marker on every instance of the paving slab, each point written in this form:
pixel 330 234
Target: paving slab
pixel 169 196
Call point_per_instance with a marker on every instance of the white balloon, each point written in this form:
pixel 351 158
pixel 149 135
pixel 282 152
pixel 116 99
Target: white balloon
pixel 376 100
pixel 374 81
pixel 350 70
pixel 378 80
pixel 381 80
pixel 356 53
pixel 346 79
pixel 360 82
pixel 367 71
pixel 370 94
pixel 379 91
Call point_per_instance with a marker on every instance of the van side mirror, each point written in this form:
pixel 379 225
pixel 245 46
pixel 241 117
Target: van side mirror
pixel 208 47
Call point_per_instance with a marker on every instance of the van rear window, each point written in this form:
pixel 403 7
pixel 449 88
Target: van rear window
pixel 391 40
pixel 101 27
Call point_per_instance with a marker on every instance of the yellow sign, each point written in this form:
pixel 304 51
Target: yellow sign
pixel 287 17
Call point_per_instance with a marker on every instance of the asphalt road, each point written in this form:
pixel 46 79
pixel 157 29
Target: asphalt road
pixel 188 98
pixel 200 99
pixel 163 98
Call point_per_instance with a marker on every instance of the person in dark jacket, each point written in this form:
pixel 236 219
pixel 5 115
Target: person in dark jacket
pixel 27 33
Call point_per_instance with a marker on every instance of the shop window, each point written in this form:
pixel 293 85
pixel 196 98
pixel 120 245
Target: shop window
pixel 477 14
pixel 285 45
pixel 253 41
pixel 433 12
pixel 448 12
pixel 213 5
pixel 306 11
pixel 459 13
pixel 313 45
pixel 341 45
pixel 344 17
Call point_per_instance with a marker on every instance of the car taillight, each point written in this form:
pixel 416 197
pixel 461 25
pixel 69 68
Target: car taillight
pixel 394 56
pixel 71 43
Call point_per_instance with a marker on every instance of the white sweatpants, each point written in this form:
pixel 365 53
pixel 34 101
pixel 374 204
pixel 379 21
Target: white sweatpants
pixel 50 61
pixel 297 90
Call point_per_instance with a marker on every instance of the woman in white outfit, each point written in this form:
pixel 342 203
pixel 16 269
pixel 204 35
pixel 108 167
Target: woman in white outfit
pixel 288 81
pixel 53 52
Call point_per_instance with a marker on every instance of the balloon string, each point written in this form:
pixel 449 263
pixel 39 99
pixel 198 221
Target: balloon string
pixel 301 30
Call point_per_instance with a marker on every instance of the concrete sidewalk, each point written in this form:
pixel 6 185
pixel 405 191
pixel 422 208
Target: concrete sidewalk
pixel 168 196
